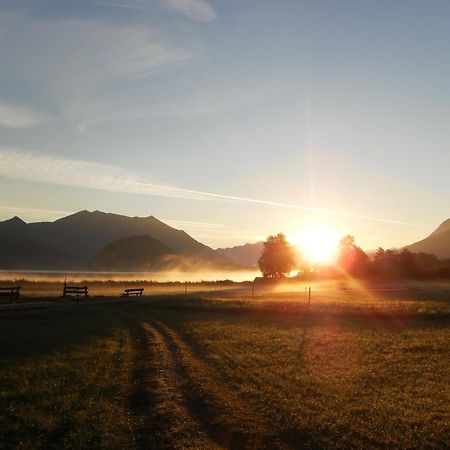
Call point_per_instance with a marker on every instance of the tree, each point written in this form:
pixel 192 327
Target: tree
pixel 277 258
pixel 407 265
pixel 395 264
pixel 352 258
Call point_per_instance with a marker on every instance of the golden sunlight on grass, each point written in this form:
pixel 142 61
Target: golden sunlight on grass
pixel 318 243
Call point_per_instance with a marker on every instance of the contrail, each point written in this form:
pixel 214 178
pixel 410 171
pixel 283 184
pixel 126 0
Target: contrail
pixel 279 204
pixel 45 168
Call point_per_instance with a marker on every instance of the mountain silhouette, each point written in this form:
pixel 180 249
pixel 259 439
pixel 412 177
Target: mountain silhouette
pixel 73 241
pixel 246 255
pixel 26 253
pixel 444 226
pixel 135 253
pixel 437 243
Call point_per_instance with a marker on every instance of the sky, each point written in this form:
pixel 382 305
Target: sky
pixel 229 119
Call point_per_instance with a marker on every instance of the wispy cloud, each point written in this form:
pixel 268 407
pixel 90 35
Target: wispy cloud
pixel 46 168
pixel 130 4
pixel 227 239
pixel 77 62
pixel 16 116
pixel 193 224
pixel 200 230
pixel 201 105
pixel 194 9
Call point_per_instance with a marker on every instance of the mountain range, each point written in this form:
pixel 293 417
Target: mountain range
pixel 437 243
pixel 104 241
pixel 73 242
pixel 246 255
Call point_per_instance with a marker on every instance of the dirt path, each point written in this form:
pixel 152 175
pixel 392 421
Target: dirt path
pixel 226 420
pixel 179 402
pixel 162 419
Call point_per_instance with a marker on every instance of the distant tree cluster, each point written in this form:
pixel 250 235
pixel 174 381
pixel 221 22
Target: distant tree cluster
pixel 396 264
pixel 404 264
pixel 389 263
pixel 278 259
pixel 352 259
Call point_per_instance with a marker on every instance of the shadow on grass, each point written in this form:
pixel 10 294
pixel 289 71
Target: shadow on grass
pixel 36 333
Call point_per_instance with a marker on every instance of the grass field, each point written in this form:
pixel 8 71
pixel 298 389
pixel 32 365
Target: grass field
pixel 354 369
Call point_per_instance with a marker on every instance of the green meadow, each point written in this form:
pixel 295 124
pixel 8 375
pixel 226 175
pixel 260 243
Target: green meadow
pixel 354 369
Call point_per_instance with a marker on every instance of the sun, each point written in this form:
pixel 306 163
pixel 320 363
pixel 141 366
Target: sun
pixel 318 243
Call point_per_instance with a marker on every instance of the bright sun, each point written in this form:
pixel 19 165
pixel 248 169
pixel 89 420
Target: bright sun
pixel 318 242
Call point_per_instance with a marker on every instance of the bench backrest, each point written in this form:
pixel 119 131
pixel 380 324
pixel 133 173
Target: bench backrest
pixel 75 290
pixel 11 292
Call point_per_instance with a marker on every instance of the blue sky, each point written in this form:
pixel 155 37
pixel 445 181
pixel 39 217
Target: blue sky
pixel 229 119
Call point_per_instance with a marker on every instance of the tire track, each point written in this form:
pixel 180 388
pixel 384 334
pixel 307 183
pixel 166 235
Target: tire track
pixel 226 420
pixel 141 400
pixel 162 419
pixel 193 406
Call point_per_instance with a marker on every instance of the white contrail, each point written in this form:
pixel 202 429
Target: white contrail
pixel 279 204
pixel 45 168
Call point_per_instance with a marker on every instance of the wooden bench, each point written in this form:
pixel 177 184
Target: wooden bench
pixel 12 292
pixel 130 292
pixel 75 290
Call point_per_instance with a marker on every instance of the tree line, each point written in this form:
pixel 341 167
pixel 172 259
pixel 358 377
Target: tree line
pixel 279 259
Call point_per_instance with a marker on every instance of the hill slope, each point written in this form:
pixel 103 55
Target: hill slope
pixel 26 253
pixel 135 253
pixel 246 255
pixel 444 226
pixel 437 243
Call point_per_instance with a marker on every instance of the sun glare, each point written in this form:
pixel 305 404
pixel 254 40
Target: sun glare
pixel 317 242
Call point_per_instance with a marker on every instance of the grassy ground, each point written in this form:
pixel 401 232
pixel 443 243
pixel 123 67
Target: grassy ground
pixel 223 371
pixel 49 290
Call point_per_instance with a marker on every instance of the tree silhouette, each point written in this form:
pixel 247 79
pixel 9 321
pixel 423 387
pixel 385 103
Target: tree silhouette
pixel 352 258
pixel 395 264
pixel 277 258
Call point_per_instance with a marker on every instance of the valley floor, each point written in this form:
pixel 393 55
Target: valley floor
pixel 221 370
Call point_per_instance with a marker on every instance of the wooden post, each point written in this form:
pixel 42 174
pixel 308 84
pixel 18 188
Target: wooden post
pixel 185 288
pixel 309 295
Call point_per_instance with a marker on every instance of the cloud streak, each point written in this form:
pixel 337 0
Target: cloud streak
pixel 46 168
pixel 16 116
pixel 78 62
pixel 130 4
pixel 193 224
pixel 194 9
pixel 195 106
